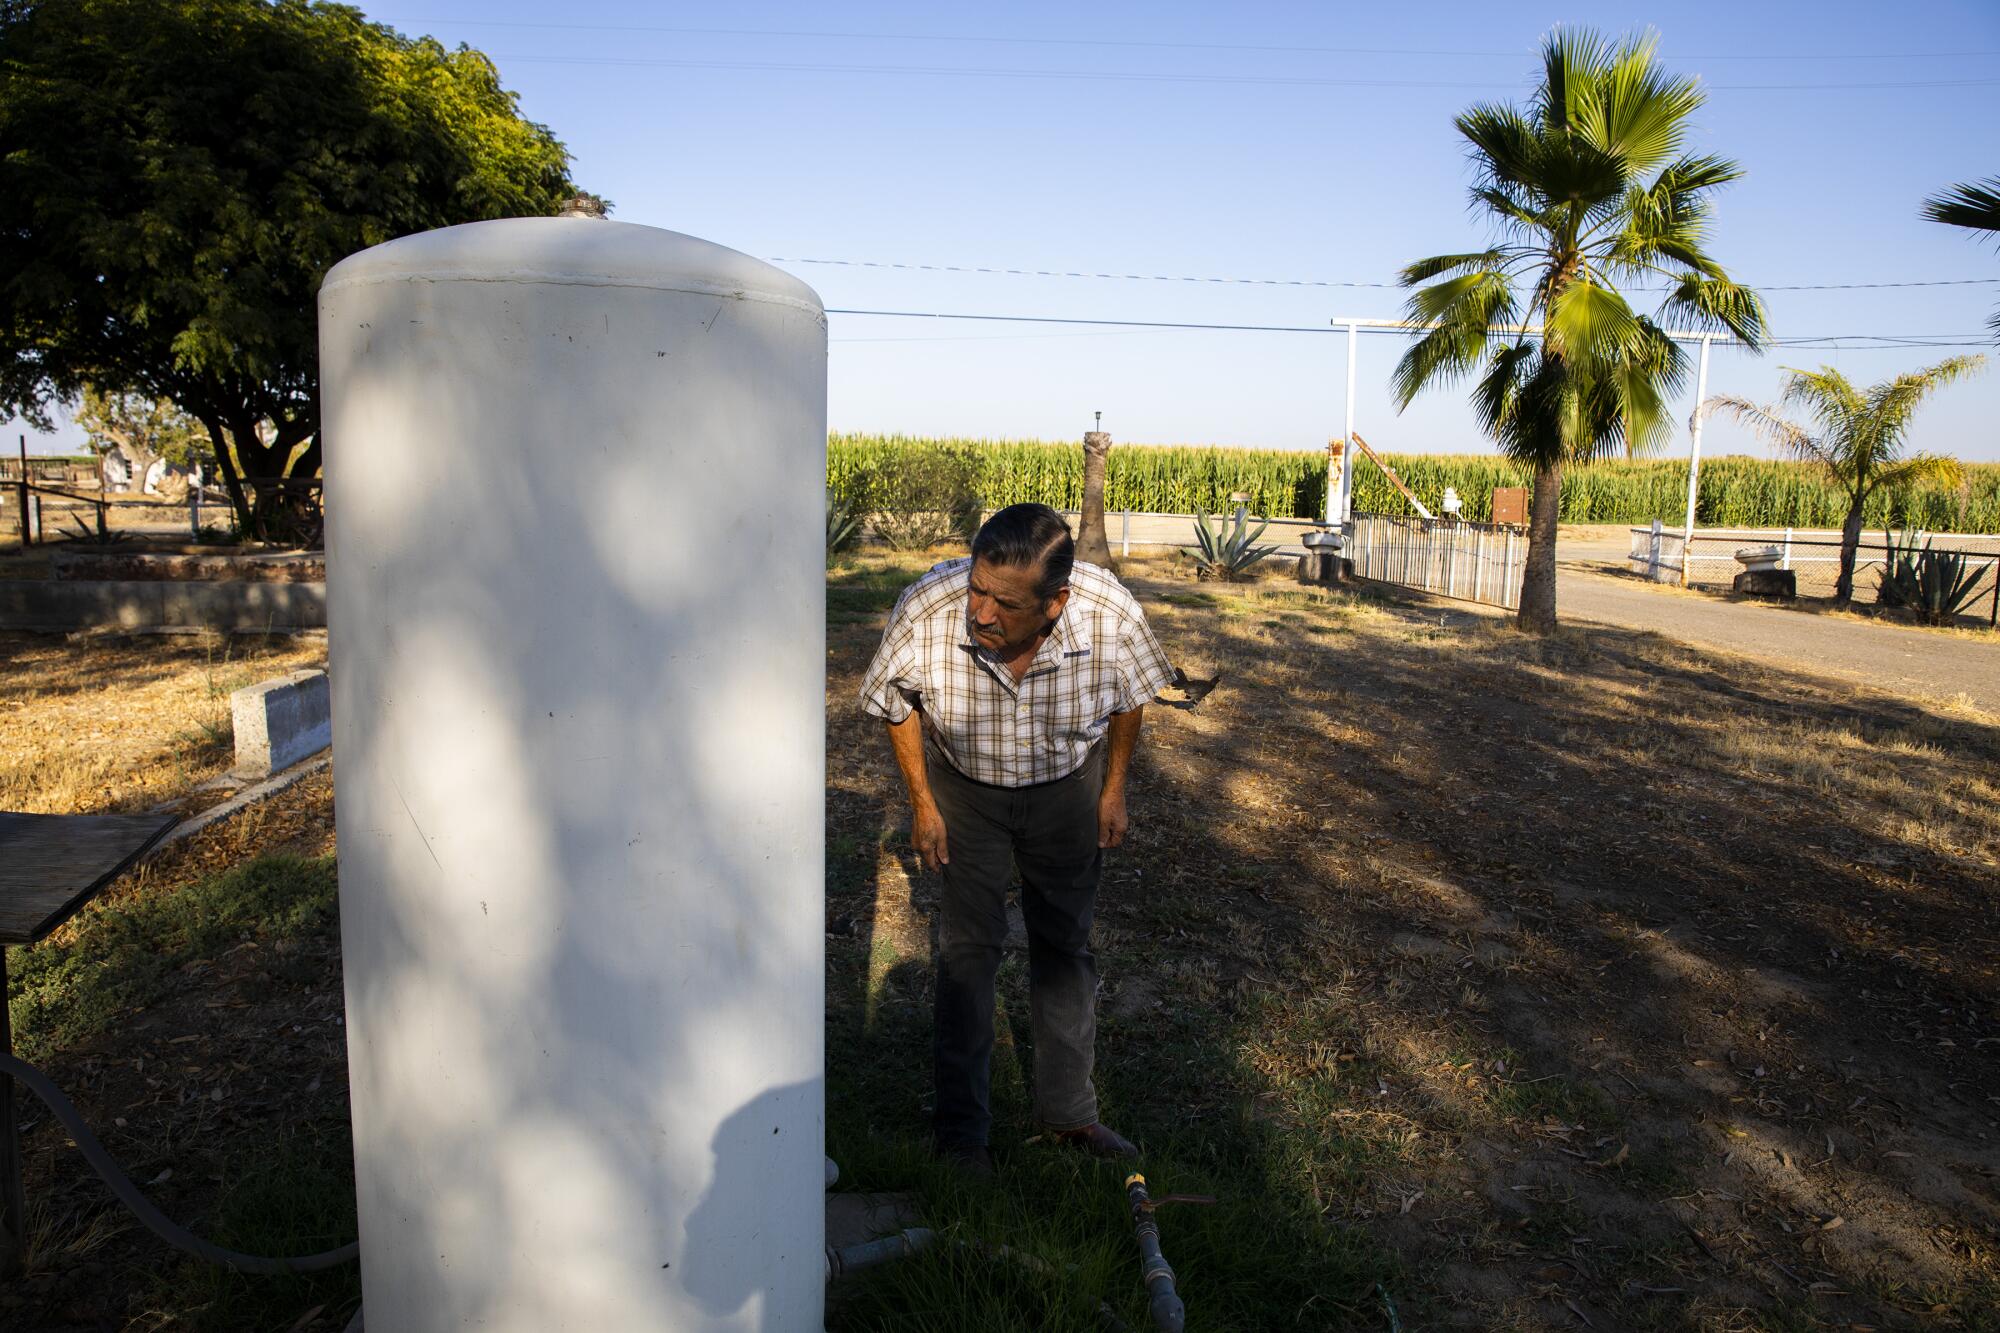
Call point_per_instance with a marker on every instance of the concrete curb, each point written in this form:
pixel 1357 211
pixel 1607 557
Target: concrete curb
pixel 242 800
pixel 279 722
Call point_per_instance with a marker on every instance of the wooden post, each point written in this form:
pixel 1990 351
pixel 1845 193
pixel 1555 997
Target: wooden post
pixel 27 532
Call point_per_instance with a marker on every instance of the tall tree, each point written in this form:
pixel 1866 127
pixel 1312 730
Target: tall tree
pixel 1857 437
pixel 1976 207
pixel 178 175
pixel 1587 186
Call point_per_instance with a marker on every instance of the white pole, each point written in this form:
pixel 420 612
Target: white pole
pixel 1694 455
pixel 1347 454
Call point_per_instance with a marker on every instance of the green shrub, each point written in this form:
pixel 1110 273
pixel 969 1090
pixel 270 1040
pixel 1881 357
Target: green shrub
pixel 921 497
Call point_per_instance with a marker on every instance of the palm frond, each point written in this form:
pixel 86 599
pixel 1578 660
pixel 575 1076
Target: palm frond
pixel 1572 60
pixel 1518 214
pixel 1716 304
pixel 1894 403
pixel 1782 434
pixel 1504 143
pixel 1974 205
pixel 1829 396
pixel 1918 470
pixel 1479 299
pixel 1586 322
pixel 1495 392
pixel 1442 356
pixel 1439 265
pixel 1642 111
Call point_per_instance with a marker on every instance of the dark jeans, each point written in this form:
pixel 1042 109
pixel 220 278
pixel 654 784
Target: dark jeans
pixel 1050 832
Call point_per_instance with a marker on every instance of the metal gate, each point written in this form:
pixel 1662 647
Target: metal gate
pixel 1479 562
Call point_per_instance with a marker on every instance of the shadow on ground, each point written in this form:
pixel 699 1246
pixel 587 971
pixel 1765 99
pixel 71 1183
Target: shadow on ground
pixel 1559 981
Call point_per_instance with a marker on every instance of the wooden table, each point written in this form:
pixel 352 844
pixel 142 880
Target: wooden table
pixel 50 866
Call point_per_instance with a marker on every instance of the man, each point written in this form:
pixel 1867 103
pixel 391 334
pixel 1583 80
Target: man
pixel 1013 684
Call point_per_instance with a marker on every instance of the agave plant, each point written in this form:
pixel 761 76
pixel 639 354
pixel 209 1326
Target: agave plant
pixel 1226 555
pixel 1937 584
pixel 843 523
pixel 83 535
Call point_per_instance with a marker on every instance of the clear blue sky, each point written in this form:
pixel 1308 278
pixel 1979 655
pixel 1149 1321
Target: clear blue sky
pixel 1264 141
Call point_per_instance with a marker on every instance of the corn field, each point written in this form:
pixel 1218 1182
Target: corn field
pixel 1181 479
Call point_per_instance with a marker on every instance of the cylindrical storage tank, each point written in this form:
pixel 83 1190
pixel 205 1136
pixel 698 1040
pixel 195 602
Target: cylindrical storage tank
pixel 575 575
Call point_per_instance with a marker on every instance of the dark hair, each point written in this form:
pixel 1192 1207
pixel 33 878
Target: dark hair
pixel 1031 536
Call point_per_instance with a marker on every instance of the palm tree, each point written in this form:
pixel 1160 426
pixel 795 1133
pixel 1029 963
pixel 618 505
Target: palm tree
pixel 1974 207
pixel 1858 440
pixel 1588 185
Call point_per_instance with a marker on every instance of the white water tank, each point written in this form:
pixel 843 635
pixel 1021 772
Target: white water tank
pixel 575 574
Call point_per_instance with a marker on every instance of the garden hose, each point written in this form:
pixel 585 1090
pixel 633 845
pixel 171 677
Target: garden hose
pixel 1169 1315
pixel 141 1207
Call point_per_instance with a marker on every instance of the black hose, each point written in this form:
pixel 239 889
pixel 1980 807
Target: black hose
pixel 142 1208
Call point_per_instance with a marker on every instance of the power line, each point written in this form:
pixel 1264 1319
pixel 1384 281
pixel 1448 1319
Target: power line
pixel 1287 49
pixel 1115 76
pixel 1830 340
pixel 1311 282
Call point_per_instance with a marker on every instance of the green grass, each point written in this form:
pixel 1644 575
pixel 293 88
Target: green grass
pixel 293 1196
pixel 857 589
pixel 120 957
pixel 1262 1257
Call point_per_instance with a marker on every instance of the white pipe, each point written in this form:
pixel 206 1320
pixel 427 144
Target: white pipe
pixel 1694 455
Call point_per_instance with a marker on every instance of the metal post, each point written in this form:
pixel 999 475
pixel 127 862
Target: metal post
pixel 1347 437
pixel 1125 535
pixel 1507 571
pixel 1694 454
pixel 1786 563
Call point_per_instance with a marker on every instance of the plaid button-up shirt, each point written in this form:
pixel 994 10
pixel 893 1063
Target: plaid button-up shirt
pixel 1100 659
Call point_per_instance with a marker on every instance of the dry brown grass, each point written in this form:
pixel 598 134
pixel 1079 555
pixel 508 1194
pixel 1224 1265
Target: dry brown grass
pixel 125 723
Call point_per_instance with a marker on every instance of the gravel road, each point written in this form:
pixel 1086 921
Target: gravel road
pixel 1912 661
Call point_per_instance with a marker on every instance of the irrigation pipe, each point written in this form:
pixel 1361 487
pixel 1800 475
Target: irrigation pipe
pixel 1169 1315
pixel 143 1208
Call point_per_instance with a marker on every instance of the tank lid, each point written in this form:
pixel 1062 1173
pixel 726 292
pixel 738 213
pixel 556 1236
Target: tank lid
pixel 587 252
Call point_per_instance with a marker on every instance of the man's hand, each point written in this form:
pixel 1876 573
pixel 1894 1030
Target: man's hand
pixel 927 836
pixel 1111 817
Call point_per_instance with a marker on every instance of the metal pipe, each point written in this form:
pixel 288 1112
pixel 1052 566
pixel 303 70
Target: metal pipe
pixel 1169 1315
pixel 873 1253
pixel 1694 454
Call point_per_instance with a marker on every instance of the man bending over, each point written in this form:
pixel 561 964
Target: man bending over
pixel 1013 685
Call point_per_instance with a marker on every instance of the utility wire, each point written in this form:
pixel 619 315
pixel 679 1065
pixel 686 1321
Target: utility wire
pixel 1803 340
pixel 990 39
pixel 1311 282
pixel 1115 76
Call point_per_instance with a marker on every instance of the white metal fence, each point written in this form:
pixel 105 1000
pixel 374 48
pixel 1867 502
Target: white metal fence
pixel 1479 562
pixel 1812 555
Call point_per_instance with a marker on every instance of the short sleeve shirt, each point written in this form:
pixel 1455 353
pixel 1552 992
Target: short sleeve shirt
pixel 1101 658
